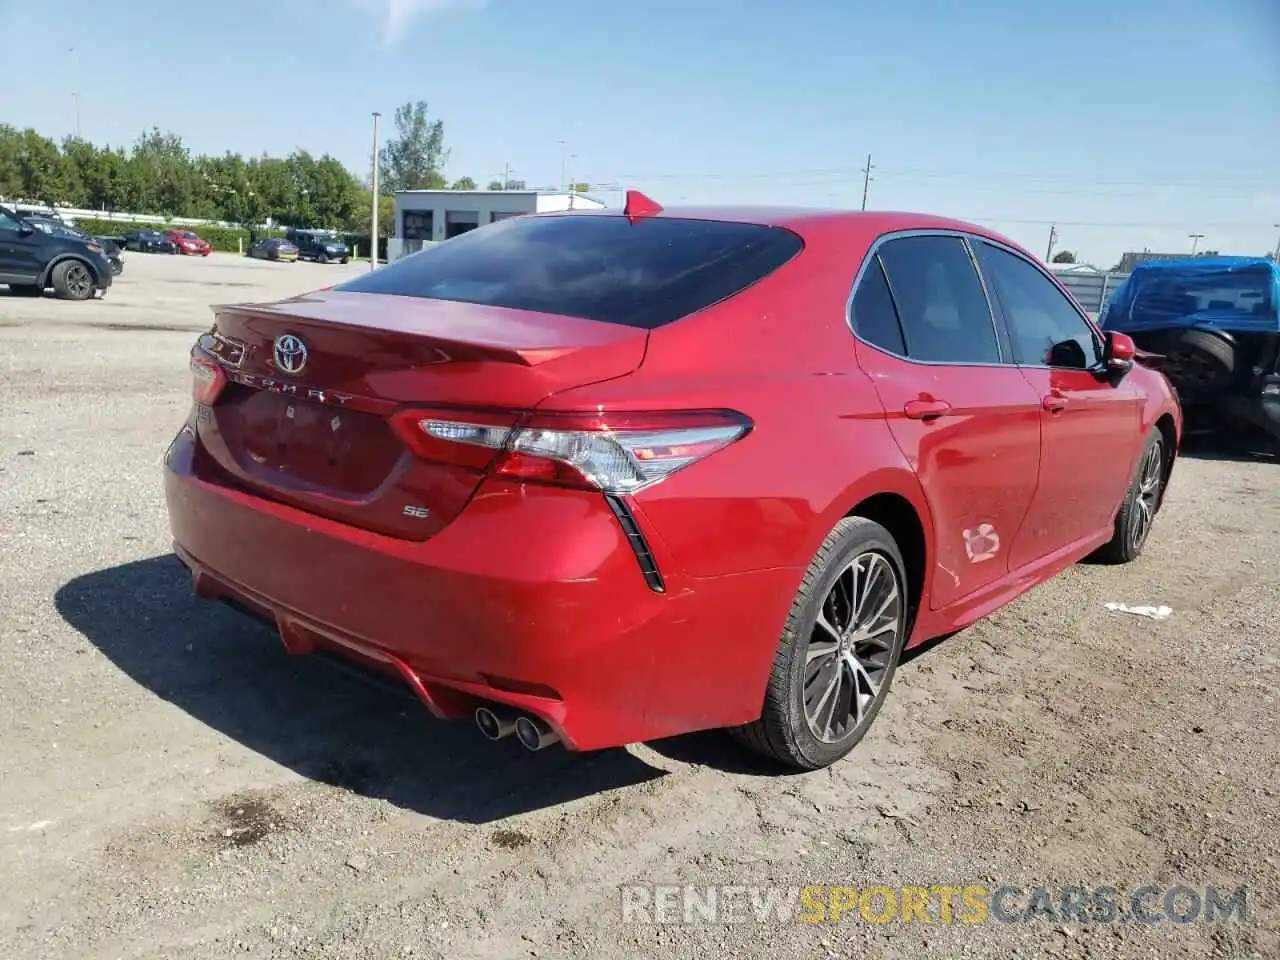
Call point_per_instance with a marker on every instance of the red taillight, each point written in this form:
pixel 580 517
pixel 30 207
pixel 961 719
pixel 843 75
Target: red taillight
pixel 207 380
pixel 616 453
pixel 469 439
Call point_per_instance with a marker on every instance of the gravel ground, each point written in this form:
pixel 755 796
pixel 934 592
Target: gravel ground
pixel 172 784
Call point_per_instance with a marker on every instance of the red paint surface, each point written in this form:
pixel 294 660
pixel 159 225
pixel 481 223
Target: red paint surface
pixel 513 586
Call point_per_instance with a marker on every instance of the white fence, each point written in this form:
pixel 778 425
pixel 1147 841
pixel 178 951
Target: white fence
pixel 79 213
pixel 1092 290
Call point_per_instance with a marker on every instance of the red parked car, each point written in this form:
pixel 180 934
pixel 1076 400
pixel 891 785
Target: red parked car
pixel 188 243
pixel 600 478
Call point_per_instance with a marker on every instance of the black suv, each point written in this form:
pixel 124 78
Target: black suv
pixel 31 260
pixel 54 225
pixel 321 246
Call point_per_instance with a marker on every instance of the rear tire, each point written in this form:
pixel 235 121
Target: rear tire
pixel 72 280
pixel 1142 502
pixel 838 651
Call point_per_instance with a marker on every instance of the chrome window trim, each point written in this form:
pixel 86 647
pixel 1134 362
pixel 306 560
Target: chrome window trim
pixel 873 252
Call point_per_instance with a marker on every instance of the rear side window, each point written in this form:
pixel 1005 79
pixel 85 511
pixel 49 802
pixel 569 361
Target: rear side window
pixel 643 274
pixel 944 312
pixel 875 319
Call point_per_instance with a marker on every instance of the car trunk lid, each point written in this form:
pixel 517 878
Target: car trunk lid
pixel 313 382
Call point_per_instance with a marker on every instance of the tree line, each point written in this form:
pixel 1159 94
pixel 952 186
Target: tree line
pixel 159 174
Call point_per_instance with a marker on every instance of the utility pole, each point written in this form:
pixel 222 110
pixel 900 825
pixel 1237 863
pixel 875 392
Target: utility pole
pixel 373 229
pixel 1276 256
pixel 1195 241
pixel 506 174
pixel 1053 238
pixel 866 181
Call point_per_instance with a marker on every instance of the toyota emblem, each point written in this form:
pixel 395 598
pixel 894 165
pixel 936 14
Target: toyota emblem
pixel 290 353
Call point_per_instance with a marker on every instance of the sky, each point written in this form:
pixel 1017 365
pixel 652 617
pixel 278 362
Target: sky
pixel 1129 125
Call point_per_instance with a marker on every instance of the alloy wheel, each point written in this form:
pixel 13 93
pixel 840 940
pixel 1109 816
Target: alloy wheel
pixel 79 283
pixel 1150 475
pixel 851 646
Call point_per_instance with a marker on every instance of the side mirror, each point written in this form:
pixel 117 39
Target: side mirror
pixel 25 229
pixel 1120 352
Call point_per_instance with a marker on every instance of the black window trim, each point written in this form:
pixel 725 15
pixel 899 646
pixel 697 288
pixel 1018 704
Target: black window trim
pixel 1099 338
pixel 1003 344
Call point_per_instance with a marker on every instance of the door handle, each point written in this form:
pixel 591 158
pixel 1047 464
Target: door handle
pixel 1054 402
pixel 926 409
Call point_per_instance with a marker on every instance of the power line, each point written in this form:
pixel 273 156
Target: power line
pixel 1237 225
pixel 918 174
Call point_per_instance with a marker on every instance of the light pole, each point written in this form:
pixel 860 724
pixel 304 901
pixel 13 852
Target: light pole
pixel 373 228
pixel 1276 256
pixel 75 73
pixel 565 157
pixel 1195 241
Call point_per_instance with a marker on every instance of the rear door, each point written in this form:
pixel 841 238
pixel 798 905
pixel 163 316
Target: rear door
pixel 962 412
pixel 1090 423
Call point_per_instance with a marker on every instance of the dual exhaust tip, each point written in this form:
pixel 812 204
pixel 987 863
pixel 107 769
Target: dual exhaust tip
pixel 496 722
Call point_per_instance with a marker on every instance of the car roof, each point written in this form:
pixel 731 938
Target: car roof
pixel 817 224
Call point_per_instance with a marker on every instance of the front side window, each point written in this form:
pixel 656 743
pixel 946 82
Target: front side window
pixel 1045 328
pixel 643 273
pixel 944 312
pixel 8 222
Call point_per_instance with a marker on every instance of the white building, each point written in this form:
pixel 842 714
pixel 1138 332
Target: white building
pixel 434 215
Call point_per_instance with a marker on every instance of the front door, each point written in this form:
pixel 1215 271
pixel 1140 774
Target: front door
pixel 964 415
pixel 19 251
pixel 1091 425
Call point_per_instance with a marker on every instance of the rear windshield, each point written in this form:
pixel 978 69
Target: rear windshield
pixel 1225 292
pixel 643 274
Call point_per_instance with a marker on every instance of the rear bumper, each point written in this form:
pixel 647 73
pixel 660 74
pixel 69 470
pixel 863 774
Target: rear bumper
pixel 532 597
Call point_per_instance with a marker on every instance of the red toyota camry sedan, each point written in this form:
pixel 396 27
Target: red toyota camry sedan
pixel 594 478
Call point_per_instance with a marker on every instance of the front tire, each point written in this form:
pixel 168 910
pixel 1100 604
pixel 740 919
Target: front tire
pixel 838 651
pixel 1142 501
pixel 72 280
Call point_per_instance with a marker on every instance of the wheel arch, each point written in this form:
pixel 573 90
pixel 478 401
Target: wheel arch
pixel 63 258
pixel 1169 433
pixel 897 514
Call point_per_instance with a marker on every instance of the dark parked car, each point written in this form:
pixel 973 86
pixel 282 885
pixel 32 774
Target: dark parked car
pixel 32 260
pixel 273 248
pixel 321 246
pixel 148 241
pixel 1216 322
pixel 56 225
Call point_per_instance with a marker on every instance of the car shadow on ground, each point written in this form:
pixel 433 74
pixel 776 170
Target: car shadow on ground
pixel 376 740
pixel 1235 444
